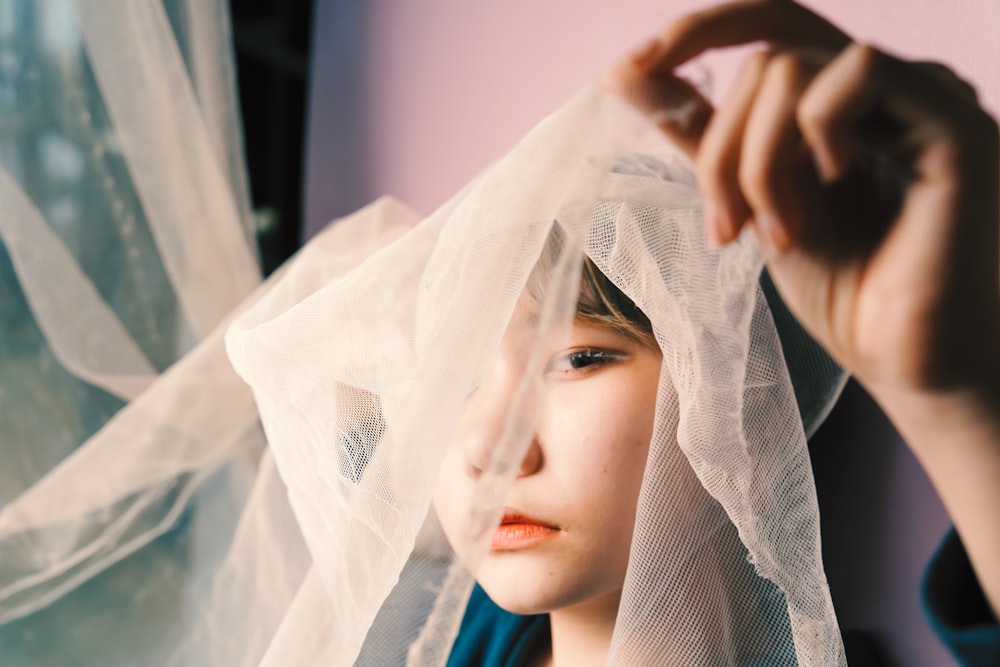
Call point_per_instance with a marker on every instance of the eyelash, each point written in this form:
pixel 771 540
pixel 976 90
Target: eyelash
pixel 580 360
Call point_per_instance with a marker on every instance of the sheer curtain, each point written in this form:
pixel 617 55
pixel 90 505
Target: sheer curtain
pixel 125 241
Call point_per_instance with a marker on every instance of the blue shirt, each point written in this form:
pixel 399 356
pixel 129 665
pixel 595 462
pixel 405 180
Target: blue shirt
pixel 957 609
pixel 492 637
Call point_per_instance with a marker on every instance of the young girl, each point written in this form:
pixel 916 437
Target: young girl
pixel 564 539
pixel 559 558
pixel 631 465
pixel 913 338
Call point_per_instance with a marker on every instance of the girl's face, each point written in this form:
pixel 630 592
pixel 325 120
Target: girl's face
pixel 568 519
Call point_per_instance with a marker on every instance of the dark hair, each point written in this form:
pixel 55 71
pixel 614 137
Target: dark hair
pixel 600 302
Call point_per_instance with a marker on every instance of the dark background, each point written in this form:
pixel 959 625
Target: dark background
pixel 272 41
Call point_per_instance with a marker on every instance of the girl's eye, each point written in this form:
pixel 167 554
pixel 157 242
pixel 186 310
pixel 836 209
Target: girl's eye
pixel 580 359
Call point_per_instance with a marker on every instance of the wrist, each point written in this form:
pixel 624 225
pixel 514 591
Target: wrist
pixel 955 434
pixel 942 417
pixel 962 392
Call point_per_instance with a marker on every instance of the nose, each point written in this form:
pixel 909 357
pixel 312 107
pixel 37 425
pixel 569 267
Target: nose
pixel 497 419
pixel 479 459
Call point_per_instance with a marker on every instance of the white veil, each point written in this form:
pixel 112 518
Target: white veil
pixel 360 382
pixel 325 548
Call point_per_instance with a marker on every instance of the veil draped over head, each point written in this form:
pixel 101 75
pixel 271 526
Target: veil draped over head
pixel 323 547
pixel 360 382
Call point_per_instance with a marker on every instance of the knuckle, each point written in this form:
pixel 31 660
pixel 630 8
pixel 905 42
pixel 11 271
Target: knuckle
pixel 788 70
pixel 814 115
pixel 979 133
pixel 754 66
pixel 757 62
pixel 686 24
pixel 948 76
pixel 964 87
pixel 711 170
pixel 754 182
pixel 870 61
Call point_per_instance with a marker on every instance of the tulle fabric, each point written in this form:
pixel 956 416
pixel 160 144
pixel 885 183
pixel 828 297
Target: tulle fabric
pixel 318 543
pixel 360 383
pixel 125 241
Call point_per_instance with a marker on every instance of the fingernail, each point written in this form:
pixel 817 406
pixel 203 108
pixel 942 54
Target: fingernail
pixel 773 232
pixel 645 54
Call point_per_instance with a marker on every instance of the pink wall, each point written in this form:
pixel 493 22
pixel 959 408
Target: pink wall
pixel 452 84
pixel 430 92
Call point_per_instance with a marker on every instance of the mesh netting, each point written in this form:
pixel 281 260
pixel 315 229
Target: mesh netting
pixel 377 390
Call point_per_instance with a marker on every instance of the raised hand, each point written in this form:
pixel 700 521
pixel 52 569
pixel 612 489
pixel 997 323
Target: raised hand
pixel 874 186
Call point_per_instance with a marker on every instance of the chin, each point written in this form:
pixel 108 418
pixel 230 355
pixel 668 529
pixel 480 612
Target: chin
pixel 522 588
pixel 520 599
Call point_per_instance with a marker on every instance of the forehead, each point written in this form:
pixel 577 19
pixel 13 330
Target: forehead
pixel 529 329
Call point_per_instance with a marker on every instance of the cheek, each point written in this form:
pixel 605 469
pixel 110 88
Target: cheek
pixel 602 434
pixel 451 497
pixel 599 449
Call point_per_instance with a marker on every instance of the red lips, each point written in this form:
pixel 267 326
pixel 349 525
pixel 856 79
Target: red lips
pixel 518 531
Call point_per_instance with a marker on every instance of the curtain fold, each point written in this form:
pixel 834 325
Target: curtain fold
pixel 126 240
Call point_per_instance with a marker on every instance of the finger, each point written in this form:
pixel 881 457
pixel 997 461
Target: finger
pixel 831 108
pixel 719 155
pixel 863 83
pixel 950 79
pixel 676 106
pixel 951 145
pixel 773 170
pixel 770 172
pixel 780 23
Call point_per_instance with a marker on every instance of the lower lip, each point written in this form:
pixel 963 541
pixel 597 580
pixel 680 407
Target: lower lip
pixel 512 536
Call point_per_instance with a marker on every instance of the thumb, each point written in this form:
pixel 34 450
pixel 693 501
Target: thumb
pixel 674 104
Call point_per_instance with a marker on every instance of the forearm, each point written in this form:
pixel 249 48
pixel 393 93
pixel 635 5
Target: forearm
pixel 956 437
